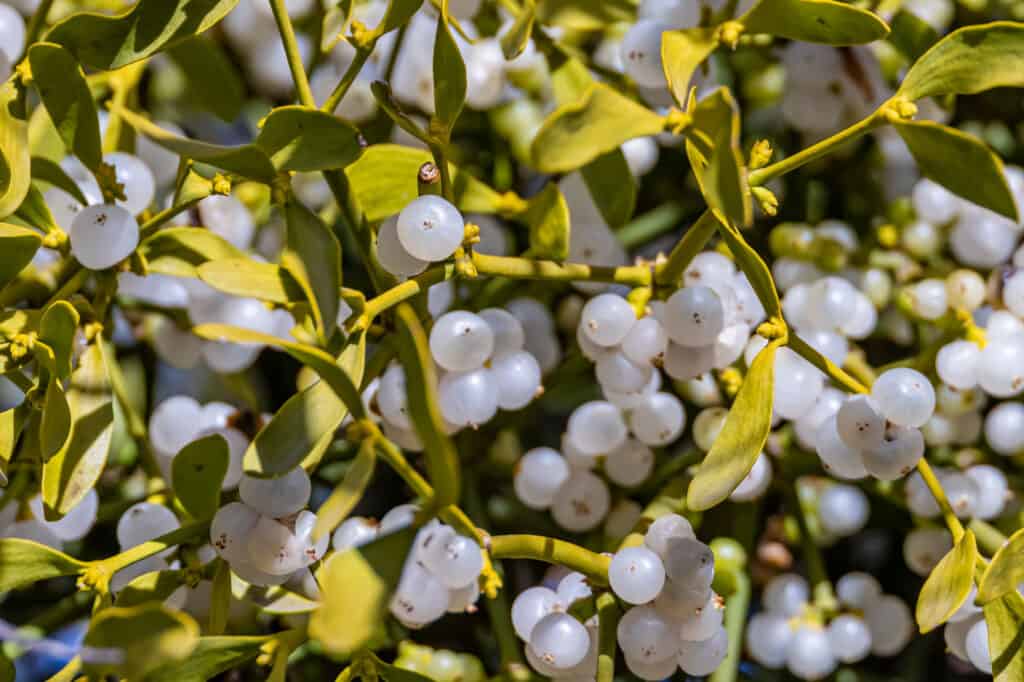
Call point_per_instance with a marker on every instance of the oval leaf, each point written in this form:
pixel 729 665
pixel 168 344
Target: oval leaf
pixel 681 53
pixel 179 251
pixel 948 585
pixel 343 499
pixel 595 124
pixel 1005 571
pixel 548 218
pixel 969 60
pixel 303 139
pixel 109 42
pixel 312 256
pixel 17 247
pixel 15 159
pixel 449 75
pixel 148 587
pixel 57 329
pixel 1005 620
pixel 814 21
pixel 197 473
pixel 752 265
pixel 612 187
pixel 23 562
pixel 713 147
pixel 959 162
pixel 212 81
pixel 210 657
pixel 68 100
pixel 742 438
pixel 50 172
pixel 146 637
pixel 55 425
pixel 245 277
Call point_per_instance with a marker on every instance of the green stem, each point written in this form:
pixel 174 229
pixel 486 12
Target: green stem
pixel 36 24
pixel 694 240
pixel 349 77
pixel 111 565
pixel 552 551
pixel 837 374
pixel 165 216
pixel 75 278
pixel 525 268
pixel 816 150
pixel 821 586
pixel 935 488
pixel 646 227
pixel 608 615
pixel 735 619
pixel 407 289
pixel 291 50
pixel 441 162
pixel 394 458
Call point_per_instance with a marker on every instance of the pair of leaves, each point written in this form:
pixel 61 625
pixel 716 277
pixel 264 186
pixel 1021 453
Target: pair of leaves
pixel 145 637
pixel 1005 620
pixel 1005 571
pixel 68 100
pixel 356 585
pixel 107 42
pixel 948 585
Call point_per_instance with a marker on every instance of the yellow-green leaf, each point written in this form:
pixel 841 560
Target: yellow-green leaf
pixel 197 473
pixel 959 162
pixel 681 53
pixel 969 60
pixel 150 587
pixel 814 21
pixel 343 499
pixel 752 265
pixel 57 329
pixel 312 256
pixel 356 585
pixel 11 423
pixel 245 277
pixel 35 212
pixel 392 673
pixel 612 187
pixel 421 388
pixel 597 123
pixel 911 35
pixel 548 218
pixel 210 657
pixel 304 426
pixel 742 438
pixel 398 13
pixel 948 585
pixel 449 75
pixel 302 139
pixel 212 80
pixel 515 39
pixel 17 247
pixel 220 599
pixel 15 159
pixel 55 424
pixel 1005 620
pixel 23 562
pixel 586 15
pixel 383 182
pixel 332 29
pixel 147 635
pixel 108 42
pixel 248 160
pixel 68 100
pixel 49 171
pixel 713 147
pixel 178 251
pixel 1005 571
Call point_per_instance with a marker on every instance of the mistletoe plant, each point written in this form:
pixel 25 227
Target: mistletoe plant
pixel 357 339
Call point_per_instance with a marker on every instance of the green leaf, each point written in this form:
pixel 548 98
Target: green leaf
pixel 210 657
pixel 68 100
pixel 681 53
pixel 343 499
pixel 15 161
pixel 35 212
pixel 245 277
pixel 48 171
pixel 421 391
pixel 948 585
pixel 356 585
pixel 197 473
pixel 383 181
pixel 969 60
pixel 179 251
pixel 390 106
pixel 333 26
pixel 586 15
pixel 597 123
pixel 57 329
pixel 17 247
pixel 23 562
pixel 959 162
pixel 713 147
pixel 107 42
pixel 516 38
pixel 312 256
pixel 1005 571
pixel 398 13
pixel 11 423
pixel 548 218
pixel 814 21
pixel 743 436
pixel 148 635
pixel 247 160
pixel 149 587
pixel 220 599
pixel 752 265
pixel 911 35
pixel 212 81
pixel 1005 620
pixel 302 139
pixel 55 424
pixel 392 673
pixel 449 76
pixel 70 474
pixel 305 424
pixel 611 187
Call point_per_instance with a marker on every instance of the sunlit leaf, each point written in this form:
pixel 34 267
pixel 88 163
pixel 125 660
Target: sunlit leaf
pixel 146 636
pixel 343 499
pixel 15 159
pixel 911 35
pixel 398 13
pixel 586 15
pixel 449 76
pixel 179 251
pixel 681 53
pixel 312 256
pixel 197 473
pixel 392 673
pixel 108 42
pixel 334 23
pixel 1005 620
pixel 17 247
pixel 599 122
pixel 612 187
pixel 1005 571
pixel 55 424
pixel 742 438
pixel 548 218
pixel 220 599
pixel 23 562
pixel 959 162
pixel 814 21
pixel 753 266
pixel 57 329
pixel 35 212
pixel 713 147
pixel 149 587
pixel 303 139
pixel 246 277
pixel 210 657
pixel 517 37
pixel 948 585
pixel 969 60
pixel 67 98
pixel 50 172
